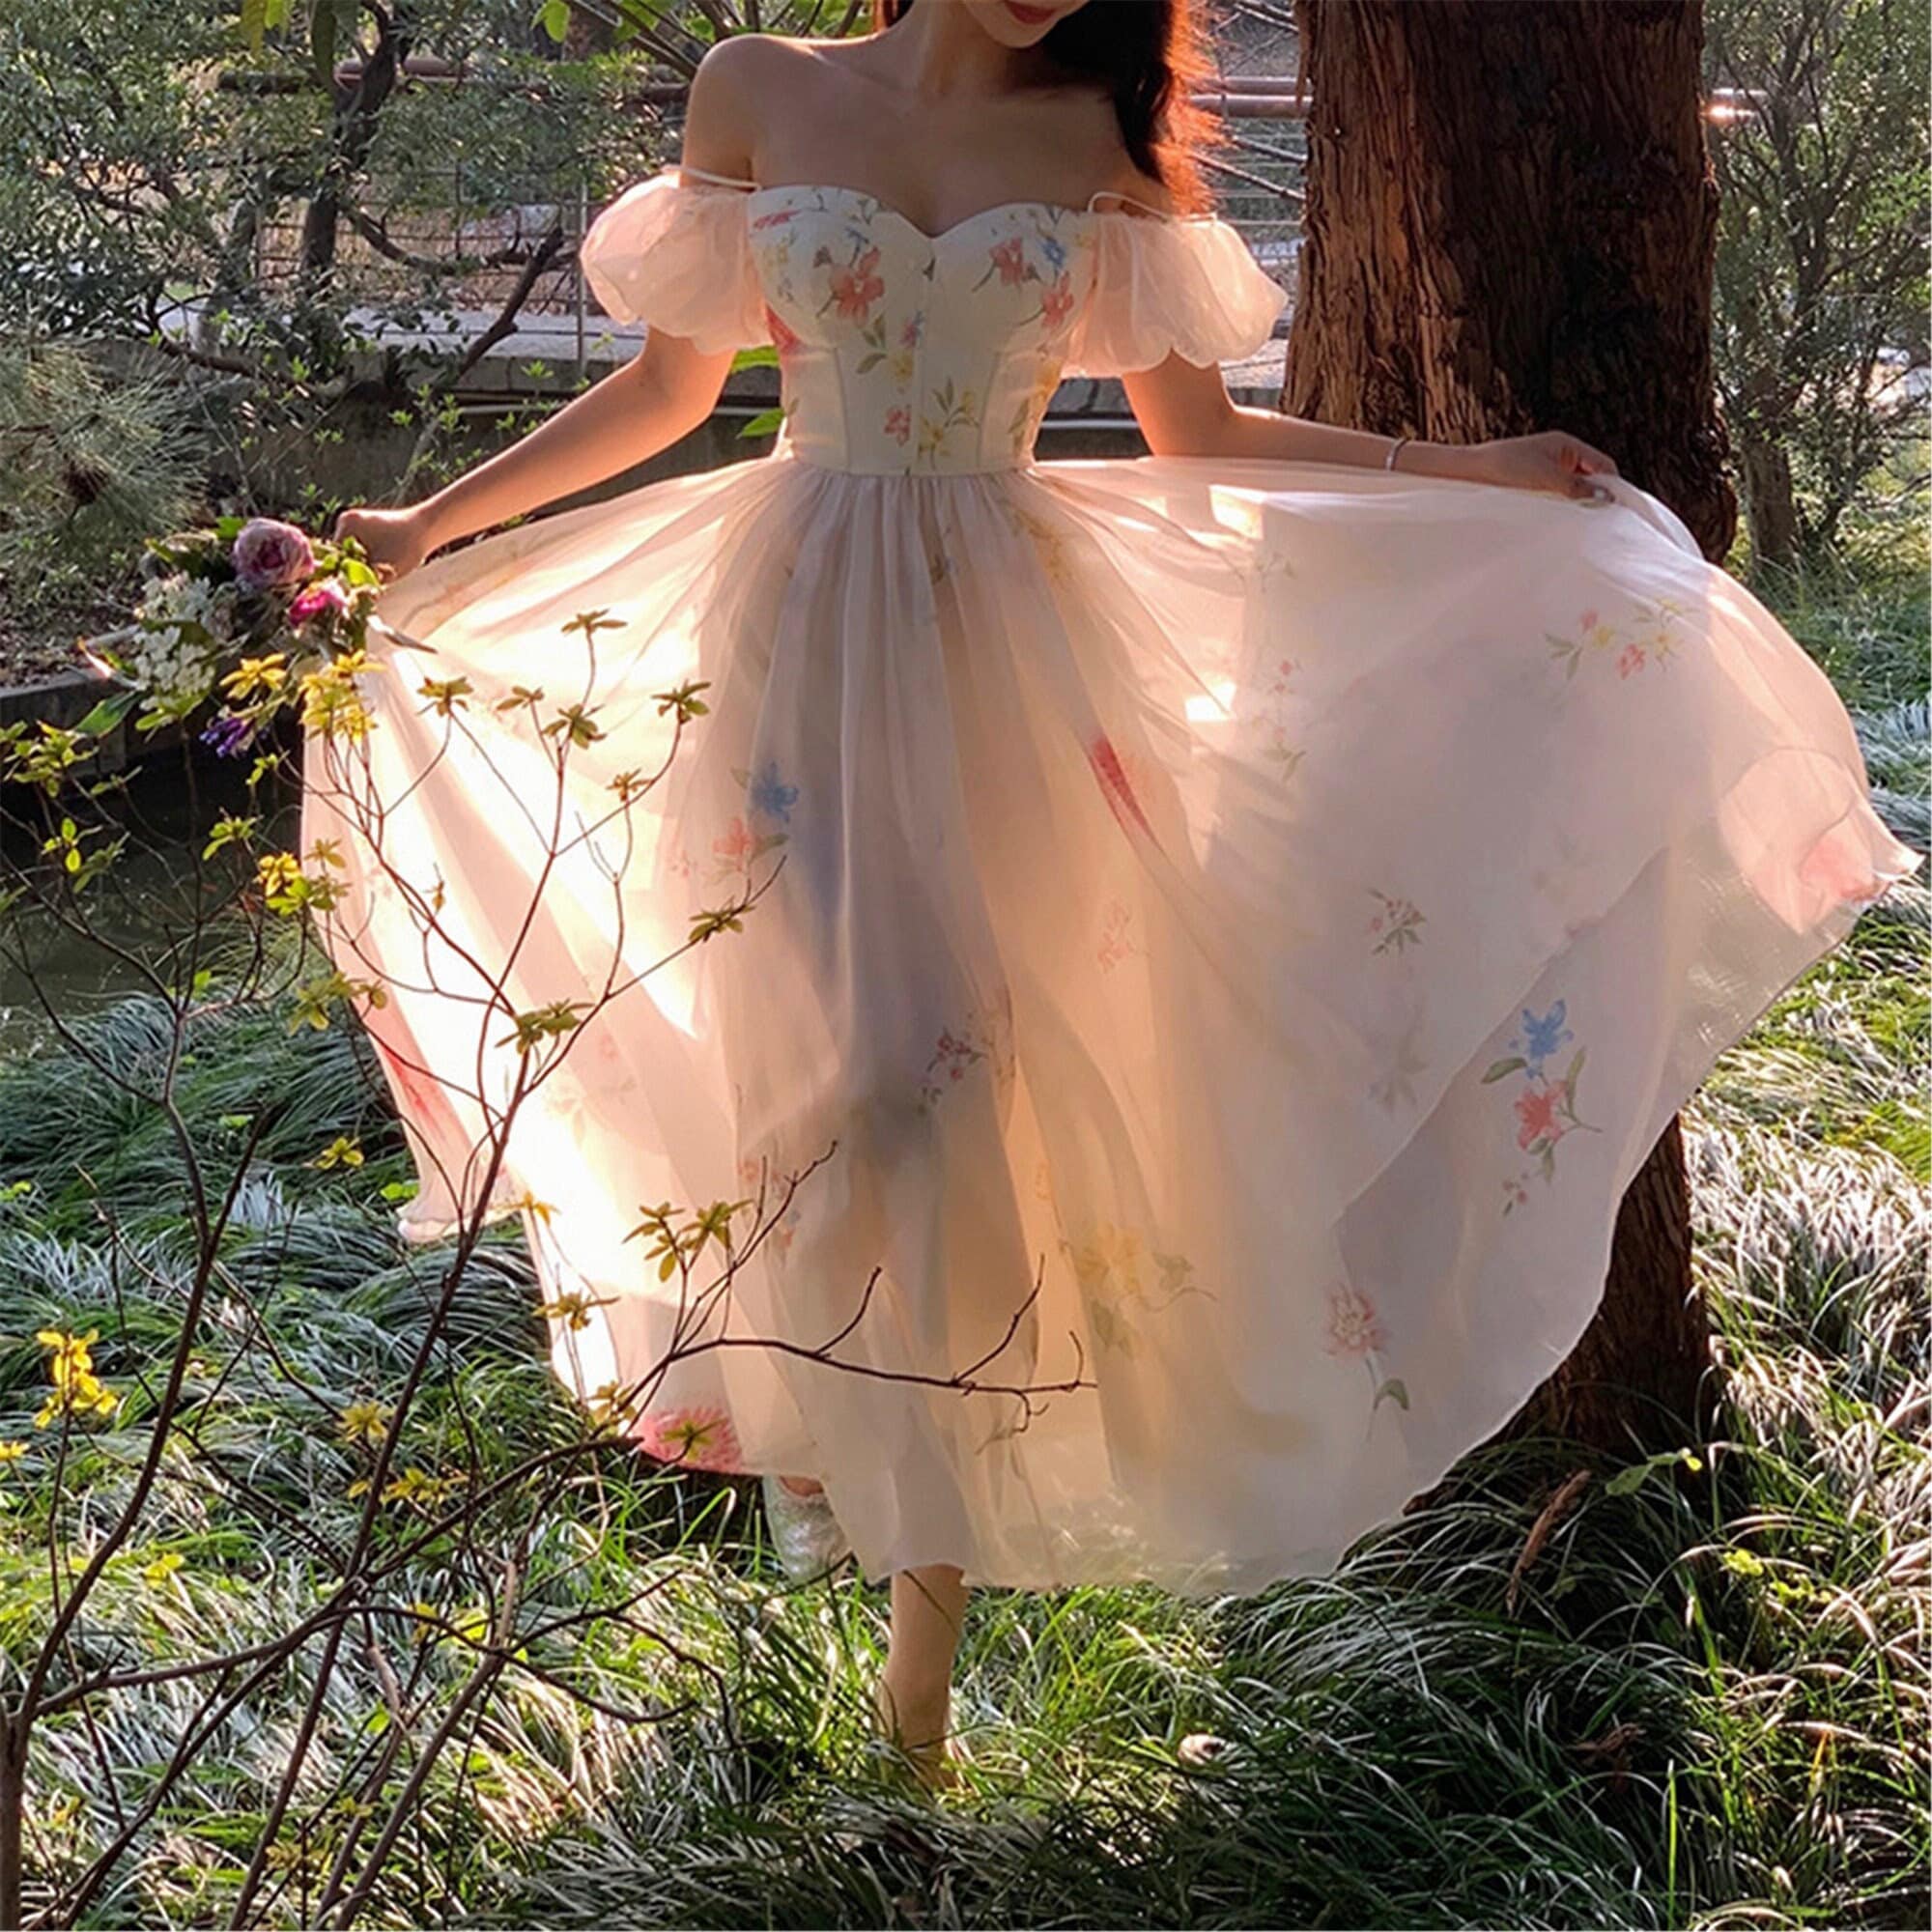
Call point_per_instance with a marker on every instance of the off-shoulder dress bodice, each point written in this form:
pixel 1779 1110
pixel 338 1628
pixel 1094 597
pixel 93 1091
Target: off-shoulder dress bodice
pixel 906 352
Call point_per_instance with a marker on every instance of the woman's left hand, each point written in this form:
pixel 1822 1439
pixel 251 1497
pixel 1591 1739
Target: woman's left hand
pixel 1549 460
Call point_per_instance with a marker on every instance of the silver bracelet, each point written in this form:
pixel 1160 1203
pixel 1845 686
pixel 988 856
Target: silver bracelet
pixel 1394 449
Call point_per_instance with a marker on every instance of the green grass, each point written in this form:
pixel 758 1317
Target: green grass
pixel 1706 1704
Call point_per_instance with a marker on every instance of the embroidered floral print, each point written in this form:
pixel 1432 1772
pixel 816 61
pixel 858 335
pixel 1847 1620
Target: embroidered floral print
pixel 1117 935
pixel 847 279
pixel 1397 925
pixel 1355 1333
pixel 698 1439
pixel 1545 1107
pixel 1647 635
pixel 984 1039
pixel 1123 1276
pixel 1116 787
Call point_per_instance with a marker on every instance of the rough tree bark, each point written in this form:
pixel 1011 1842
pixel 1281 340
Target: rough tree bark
pixel 1509 226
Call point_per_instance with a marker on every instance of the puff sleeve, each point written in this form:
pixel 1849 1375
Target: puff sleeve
pixel 676 255
pixel 1171 285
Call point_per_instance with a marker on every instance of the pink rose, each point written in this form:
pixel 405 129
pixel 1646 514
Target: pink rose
pixel 327 598
pixel 268 555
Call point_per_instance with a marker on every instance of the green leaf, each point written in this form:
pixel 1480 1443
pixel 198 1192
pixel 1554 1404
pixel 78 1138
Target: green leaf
pixel 1396 1391
pixel 554 15
pixel 1627 1482
pixel 767 422
pixel 323 28
pixel 1503 1068
pixel 108 712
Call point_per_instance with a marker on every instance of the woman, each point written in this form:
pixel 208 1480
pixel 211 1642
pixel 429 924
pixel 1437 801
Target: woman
pixel 1193 948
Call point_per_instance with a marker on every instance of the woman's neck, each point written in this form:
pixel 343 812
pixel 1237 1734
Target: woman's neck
pixel 940 50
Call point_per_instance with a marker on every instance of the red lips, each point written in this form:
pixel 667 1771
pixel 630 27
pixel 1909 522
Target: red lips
pixel 1029 17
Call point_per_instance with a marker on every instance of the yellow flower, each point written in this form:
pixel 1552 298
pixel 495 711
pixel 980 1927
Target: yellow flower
pixel 332 704
pixel 574 1309
pixel 256 674
pixel 12 1452
pixel 365 1422
pixel 76 1390
pixel 341 1152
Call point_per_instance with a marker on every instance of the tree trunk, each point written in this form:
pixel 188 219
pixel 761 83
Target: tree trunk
pixel 1509 226
pixel 1770 507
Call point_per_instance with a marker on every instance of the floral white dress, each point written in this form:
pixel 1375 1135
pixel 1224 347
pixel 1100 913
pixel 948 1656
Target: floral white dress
pixel 1196 949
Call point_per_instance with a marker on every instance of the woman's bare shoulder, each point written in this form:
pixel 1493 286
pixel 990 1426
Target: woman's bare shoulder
pixel 743 85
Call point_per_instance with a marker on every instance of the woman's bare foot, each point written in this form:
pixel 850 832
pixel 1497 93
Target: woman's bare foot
pixel 914 1695
pixel 919 1730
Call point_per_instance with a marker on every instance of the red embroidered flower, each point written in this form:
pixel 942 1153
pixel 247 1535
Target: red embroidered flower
pixel 1630 659
pixel 1536 1111
pixel 775 219
pixel 856 289
pixel 783 338
pixel 1115 787
pixel 695 1438
pixel 424 1103
pixel 898 424
pixel 1057 303
pixel 1009 258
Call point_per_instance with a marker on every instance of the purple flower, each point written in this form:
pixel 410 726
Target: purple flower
pixel 229 735
pixel 268 556
pixel 324 598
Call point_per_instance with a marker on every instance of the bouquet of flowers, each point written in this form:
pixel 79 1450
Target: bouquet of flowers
pixel 252 614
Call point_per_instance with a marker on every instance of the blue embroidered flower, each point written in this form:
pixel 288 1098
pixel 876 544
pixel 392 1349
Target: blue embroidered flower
pixel 770 798
pixel 1055 252
pixel 1541 1038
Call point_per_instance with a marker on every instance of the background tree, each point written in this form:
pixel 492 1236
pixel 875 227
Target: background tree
pixel 1821 267
pixel 1510 223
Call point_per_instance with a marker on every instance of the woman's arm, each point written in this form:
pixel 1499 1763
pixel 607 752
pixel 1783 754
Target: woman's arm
pixel 1186 410
pixel 663 393
pixel 644 407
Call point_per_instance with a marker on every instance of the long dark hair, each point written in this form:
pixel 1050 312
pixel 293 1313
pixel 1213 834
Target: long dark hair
pixel 1149 55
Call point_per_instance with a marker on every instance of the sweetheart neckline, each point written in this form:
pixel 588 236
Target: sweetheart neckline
pixel 934 238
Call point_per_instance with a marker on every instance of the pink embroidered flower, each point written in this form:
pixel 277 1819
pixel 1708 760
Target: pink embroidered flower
pixel 783 338
pixel 775 219
pixel 1354 1328
pixel 1536 1112
pixel 735 846
pixel 1057 303
pixel 1009 258
pixel 856 289
pixel 1115 787
pixel 1587 621
pixel 268 556
pixel 1116 940
pixel 899 423
pixel 327 598
pixel 695 1438
pixel 1630 659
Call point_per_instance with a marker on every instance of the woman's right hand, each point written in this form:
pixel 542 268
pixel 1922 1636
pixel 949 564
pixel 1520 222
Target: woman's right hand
pixel 394 541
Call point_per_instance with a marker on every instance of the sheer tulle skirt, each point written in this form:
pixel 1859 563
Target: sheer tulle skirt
pixel 1196 953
